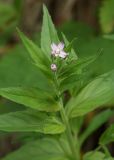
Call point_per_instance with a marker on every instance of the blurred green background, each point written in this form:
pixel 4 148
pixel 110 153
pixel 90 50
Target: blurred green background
pixel 88 20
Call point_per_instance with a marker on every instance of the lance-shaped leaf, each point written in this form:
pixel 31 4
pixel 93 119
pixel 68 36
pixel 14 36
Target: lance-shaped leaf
pixel 44 149
pixel 109 36
pixel 30 121
pixel 95 155
pixel 38 57
pixel 107 136
pixel 69 47
pixel 97 93
pixel 69 75
pixel 48 34
pixel 77 66
pixel 70 81
pixel 109 158
pixel 95 123
pixel 31 97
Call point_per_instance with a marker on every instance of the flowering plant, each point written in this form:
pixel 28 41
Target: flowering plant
pixel 58 111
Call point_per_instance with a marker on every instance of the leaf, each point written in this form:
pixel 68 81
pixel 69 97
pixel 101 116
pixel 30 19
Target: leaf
pixel 87 45
pixel 69 47
pixel 41 61
pixel 109 158
pixel 30 121
pixel 76 124
pixel 48 34
pixel 110 36
pixel 31 97
pixel 97 93
pixel 43 149
pixel 107 136
pixel 77 67
pixel 95 155
pixel 70 82
pixel 105 62
pixel 16 62
pixel 71 74
pixel 25 137
pixel 107 16
pixel 95 123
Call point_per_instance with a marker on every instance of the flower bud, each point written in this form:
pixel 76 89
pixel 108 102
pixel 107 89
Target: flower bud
pixel 53 67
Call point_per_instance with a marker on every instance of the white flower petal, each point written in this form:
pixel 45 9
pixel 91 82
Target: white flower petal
pixel 63 54
pixel 61 46
pixel 54 46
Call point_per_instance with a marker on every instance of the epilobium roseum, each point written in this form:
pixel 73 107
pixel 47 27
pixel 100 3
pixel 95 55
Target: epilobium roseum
pixel 53 67
pixel 61 105
pixel 58 50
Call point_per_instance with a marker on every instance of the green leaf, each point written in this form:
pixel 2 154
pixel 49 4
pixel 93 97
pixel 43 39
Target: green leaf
pixel 70 81
pixel 38 57
pixel 69 47
pixel 44 149
pixel 110 36
pixel 76 124
pixel 77 67
pixel 31 97
pixel 107 16
pixel 48 34
pixel 105 62
pixel 109 158
pixel 88 45
pixel 30 121
pixel 25 137
pixel 95 155
pixel 97 93
pixel 95 123
pixel 107 136
pixel 69 75
pixel 16 62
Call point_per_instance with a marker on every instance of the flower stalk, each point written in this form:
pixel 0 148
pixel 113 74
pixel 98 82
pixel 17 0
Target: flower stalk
pixel 65 120
pixel 69 132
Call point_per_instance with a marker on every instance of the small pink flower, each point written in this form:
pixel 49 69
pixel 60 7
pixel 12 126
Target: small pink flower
pixel 58 50
pixel 53 67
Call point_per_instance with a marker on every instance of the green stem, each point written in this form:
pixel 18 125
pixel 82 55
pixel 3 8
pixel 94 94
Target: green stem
pixel 65 119
pixel 69 134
